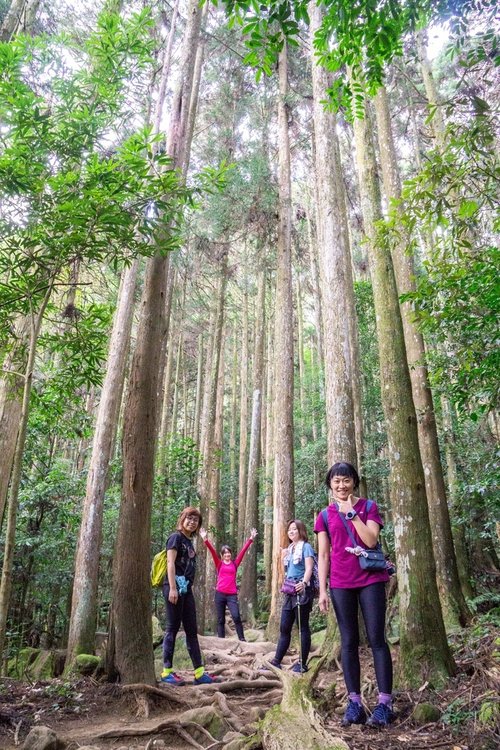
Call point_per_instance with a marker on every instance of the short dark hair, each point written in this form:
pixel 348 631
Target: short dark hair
pixel 189 512
pixel 301 528
pixel 225 548
pixel 342 469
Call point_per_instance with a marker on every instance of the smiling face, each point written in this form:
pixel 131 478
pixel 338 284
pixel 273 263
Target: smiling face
pixel 190 524
pixel 293 532
pixel 226 555
pixel 342 487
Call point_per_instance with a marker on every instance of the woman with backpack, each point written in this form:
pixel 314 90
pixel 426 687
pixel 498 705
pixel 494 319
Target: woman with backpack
pixel 346 530
pixel 298 560
pixel 226 589
pixel 179 600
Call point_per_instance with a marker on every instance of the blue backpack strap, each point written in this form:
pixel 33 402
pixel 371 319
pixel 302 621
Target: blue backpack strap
pixel 369 504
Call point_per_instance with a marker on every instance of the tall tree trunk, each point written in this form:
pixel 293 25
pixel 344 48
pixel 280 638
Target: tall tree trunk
pixel 455 611
pixel 85 581
pixel 242 465
pixel 199 388
pixel 424 651
pixel 458 529
pixel 300 352
pixel 248 595
pixel 268 464
pixel 210 454
pixel 130 620
pixel 232 443
pixel 337 293
pixel 11 396
pixel 13 501
pixel 283 488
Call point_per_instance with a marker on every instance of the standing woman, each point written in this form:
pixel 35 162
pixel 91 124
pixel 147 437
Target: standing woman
pixel 352 587
pixel 298 560
pixel 179 599
pixel 226 590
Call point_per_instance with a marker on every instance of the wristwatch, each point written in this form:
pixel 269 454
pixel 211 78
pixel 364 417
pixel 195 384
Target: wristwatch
pixel 350 515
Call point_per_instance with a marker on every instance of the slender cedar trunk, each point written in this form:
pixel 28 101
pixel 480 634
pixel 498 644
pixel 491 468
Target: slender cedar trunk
pixel 207 392
pixel 283 488
pixel 455 611
pixel 424 651
pixel 232 443
pixel 85 581
pixel 242 470
pixel 337 293
pixel 11 396
pixel 268 464
pixel 210 454
pixel 166 361
pixel 248 595
pixel 458 529
pixel 130 620
pixel 177 378
pixel 214 518
pixel 199 386
pixel 13 501
pixel 300 347
pixel 313 262
pixel 19 19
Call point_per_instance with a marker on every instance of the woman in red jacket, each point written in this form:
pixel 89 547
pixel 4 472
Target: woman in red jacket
pixel 226 590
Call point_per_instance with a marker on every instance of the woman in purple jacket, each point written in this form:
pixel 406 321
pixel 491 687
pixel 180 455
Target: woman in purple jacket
pixel 350 587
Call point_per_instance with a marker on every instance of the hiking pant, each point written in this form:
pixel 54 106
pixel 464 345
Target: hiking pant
pixel 231 601
pixel 290 614
pixel 184 612
pixel 372 601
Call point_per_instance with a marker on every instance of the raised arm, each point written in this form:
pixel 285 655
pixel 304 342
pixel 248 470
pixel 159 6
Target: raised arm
pixel 210 547
pixel 243 550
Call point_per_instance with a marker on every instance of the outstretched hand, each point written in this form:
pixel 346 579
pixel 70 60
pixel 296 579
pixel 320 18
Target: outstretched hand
pixel 203 534
pixel 253 533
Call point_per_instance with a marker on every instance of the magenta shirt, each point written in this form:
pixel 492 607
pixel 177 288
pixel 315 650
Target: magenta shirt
pixel 226 572
pixel 345 570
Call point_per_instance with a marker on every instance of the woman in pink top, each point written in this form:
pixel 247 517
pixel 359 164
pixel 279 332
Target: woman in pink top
pixel 226 590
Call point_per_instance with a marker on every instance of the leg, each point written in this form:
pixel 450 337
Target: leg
pixel 220 608
pixel 191 629
pixel 305 631
pixel 345 604
pixel 286 624
pixel 372 600
pixel 234 609
pixel 174 618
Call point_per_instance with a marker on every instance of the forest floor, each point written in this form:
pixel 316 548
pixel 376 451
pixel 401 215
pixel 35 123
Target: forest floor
pixel 88 712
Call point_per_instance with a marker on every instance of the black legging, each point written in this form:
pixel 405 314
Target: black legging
pixel 290 615
pixel 231 600
pixel 372 601
pixel 183 612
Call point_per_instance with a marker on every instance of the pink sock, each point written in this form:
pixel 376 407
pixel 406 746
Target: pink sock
pixel 385 698
pixel 355 697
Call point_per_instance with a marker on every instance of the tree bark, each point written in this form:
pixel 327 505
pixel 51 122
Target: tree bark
pixel 248 594
pixel 19 19
pixel 85 582
pixel 242 464
pixel 13 502
pixel 455 611
pixel 283 487
pixel 424 651
pixel 131 621
pixel 335 269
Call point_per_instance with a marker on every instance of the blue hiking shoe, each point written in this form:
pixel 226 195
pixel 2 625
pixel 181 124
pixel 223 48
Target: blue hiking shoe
pixel 206 679
pixel 173 679
pixel 298 668
pixel 354 714
pixel 382 716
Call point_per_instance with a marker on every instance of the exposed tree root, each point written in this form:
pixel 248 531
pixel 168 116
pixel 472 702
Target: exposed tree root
pixel 295 723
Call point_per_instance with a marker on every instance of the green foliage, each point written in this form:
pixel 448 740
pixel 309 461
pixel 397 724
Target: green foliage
pixel 453 200
pixel 364 35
